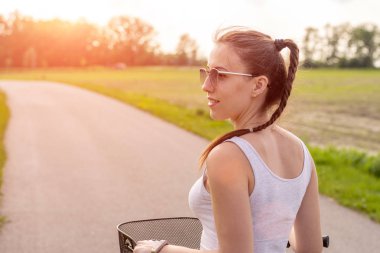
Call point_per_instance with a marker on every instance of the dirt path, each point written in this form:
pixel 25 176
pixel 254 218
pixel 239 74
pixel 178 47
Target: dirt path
pixel 80 163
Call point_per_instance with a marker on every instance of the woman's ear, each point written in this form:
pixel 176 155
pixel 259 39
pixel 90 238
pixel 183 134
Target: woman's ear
pixel 260 83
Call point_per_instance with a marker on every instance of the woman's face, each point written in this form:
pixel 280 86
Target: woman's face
pixel 231 95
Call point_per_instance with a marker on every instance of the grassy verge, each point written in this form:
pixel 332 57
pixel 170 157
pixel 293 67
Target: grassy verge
pixel 193 120
pixel 4 115
pixel 349 176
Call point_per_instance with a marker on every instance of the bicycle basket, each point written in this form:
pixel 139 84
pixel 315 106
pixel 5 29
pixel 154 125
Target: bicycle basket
pixel 183 231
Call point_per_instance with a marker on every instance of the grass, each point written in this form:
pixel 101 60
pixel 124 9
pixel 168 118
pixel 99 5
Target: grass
pixel 351 177
pixel 329 109
pixel 4 116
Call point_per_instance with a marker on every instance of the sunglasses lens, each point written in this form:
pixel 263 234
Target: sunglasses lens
pixel 202 75
pixel 213 77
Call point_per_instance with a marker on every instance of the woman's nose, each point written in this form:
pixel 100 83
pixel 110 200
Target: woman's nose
pixel 207 86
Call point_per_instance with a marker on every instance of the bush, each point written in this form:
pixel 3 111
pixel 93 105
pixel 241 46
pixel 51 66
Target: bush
pixel 375 167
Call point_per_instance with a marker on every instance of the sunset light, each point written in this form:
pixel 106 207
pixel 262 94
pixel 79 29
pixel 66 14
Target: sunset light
pixel 185 120
pixel 200 18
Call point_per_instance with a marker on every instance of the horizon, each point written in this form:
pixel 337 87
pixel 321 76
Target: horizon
pixel 258 14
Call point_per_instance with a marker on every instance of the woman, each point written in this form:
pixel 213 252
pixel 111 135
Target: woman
pixel 259 187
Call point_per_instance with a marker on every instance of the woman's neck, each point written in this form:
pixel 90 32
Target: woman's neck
pixel 250 122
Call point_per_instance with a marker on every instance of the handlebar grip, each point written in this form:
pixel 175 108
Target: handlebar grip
pixel 325 241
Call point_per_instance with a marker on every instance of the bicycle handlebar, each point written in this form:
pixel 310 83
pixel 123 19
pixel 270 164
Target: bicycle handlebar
pixel 325 241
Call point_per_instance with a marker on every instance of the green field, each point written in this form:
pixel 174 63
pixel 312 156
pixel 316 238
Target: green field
pixel 327 107
pixel 338 107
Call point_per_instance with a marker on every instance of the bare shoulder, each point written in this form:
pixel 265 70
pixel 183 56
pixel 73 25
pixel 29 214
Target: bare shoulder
pixel 224 152
pixel 292 139
pixel 288 142
pixel 226 160
pixel 287 135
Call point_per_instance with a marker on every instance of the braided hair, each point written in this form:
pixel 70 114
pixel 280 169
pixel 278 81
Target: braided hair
pixel 261 54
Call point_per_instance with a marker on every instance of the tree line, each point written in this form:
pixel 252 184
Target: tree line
pixel 25 42
pixel 129 41
pixel 342 46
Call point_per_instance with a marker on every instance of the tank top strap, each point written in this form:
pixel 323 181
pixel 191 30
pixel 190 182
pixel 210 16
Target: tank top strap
pixel 307 157
pixel 307 160
pixel 248 151
pixel 258 165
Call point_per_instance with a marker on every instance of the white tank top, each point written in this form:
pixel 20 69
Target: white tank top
pixel 275 200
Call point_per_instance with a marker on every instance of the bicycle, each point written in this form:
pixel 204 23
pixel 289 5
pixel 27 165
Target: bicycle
pixel 183 231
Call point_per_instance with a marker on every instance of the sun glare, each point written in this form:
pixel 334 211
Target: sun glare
pixel 93 11
pixel 201 18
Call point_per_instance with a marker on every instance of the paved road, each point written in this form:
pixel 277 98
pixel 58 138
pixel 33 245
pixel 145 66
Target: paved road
pixel 80 163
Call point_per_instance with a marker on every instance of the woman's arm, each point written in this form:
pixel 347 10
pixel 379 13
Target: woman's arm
pixel 227 173
pixel 180 249
pixel 306 232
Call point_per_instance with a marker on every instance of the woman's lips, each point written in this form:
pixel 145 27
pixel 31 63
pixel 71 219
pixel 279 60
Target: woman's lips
pixel 212 101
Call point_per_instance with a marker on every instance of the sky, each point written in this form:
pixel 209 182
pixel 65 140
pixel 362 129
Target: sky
pixel 200 18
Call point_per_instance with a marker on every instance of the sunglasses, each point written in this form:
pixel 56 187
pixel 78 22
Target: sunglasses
pixel 213 75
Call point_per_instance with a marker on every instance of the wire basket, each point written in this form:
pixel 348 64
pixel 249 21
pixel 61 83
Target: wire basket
pixel 183 231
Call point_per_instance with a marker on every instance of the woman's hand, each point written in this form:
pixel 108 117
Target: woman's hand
pixel 149 246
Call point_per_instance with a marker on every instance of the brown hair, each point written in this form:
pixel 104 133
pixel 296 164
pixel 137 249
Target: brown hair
pixel 261 55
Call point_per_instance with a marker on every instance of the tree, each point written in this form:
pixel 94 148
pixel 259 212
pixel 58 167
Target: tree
pixel 187 50
pixel 25 42
pixel 309 45
pixel 131 40
pixel 342 46
pixel 364 42
pixel 336 38
pixel 15 32
pixel 3 27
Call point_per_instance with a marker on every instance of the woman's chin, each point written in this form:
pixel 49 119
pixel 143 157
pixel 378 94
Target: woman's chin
pixel 216 116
